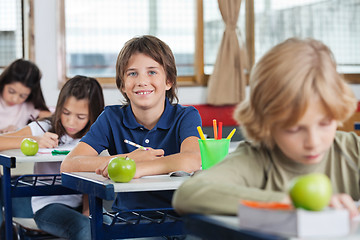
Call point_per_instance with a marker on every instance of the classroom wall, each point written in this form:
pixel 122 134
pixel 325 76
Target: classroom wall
pixel 45 57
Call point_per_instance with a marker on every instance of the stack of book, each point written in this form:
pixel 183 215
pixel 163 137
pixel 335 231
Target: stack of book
pixel 283 219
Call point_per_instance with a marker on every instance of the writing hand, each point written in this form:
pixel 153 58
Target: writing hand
pixel 48 140
pixel 151 154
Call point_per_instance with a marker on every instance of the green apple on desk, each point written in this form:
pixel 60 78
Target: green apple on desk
pixel 121 169
pixel 29 147
pixel 311 192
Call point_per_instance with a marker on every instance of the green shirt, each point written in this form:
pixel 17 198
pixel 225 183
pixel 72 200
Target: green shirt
pixel 256 173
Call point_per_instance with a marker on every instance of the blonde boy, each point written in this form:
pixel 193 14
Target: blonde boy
pixel 296 102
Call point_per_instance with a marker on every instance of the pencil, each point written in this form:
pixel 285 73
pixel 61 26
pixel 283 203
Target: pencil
pixel 202 136
pixel 135 144
pixel 215 129
pixel 231 134
pixel 220 131
pixel 34 119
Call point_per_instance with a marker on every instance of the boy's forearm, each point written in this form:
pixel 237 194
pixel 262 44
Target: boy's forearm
pixel 187 161
pixel 73 163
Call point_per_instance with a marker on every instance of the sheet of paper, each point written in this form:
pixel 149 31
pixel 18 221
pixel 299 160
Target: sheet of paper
pixel 66 147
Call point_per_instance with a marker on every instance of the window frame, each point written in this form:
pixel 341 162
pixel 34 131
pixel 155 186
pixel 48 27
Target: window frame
pixel 28 31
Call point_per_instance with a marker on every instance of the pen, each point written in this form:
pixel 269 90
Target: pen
pixel 135 144
pixel 34 119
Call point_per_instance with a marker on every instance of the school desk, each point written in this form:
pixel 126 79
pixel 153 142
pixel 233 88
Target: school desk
pixel 146 223
pixel 27 185
pixel 214 227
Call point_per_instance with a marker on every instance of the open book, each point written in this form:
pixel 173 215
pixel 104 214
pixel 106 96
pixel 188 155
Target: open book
pixel 276 218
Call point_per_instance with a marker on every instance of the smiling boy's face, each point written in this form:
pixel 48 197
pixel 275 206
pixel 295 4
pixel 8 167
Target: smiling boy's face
pixel 145 82
pixel 309 139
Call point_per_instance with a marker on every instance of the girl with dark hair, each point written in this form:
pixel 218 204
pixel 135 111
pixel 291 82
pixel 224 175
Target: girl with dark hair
pixel 20 95
pixel 79 104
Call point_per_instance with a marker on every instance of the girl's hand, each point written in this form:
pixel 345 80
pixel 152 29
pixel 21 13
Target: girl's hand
pixel 48 140
pixel 140 155
pixel 10 128
pixel 341 201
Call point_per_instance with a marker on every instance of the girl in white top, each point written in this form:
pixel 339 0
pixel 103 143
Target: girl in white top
pixel 79 104
pixel 20 95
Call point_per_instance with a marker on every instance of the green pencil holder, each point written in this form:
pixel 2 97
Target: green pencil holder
pixel 213 151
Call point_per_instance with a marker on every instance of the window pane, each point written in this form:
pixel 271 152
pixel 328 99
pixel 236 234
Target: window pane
pixel 335 22
pixel 96 30
pixel 11 34
pixel 213 31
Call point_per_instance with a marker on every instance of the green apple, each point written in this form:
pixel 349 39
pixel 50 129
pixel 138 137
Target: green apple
pixel 121 169
pixel 29 147
pixel 311 192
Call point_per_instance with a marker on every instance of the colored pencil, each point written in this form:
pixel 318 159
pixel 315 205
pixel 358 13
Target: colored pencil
pixel 202 136
pixel 220 130
pixel 231 134
pixel 215 129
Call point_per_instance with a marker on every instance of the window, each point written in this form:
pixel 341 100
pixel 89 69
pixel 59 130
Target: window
pixel 335 22
pixel 11 31
pixel 96 30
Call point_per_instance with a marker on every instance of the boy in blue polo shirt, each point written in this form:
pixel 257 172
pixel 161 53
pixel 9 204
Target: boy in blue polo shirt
pixel 146 76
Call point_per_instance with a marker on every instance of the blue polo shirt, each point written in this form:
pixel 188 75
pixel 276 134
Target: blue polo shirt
pixel 117 122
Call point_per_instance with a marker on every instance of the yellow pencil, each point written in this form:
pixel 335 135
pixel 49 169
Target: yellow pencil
pixel 231 134
pixel 201 133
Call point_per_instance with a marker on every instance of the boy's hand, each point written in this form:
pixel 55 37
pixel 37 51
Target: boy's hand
pixel 341 201
pixel 103 169
pixel 140 155
pixel 48 140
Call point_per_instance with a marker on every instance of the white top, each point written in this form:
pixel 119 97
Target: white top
pixel 17 115
pixel 74 200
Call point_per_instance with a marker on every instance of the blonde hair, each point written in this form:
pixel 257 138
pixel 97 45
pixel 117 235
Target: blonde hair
pixel 283 83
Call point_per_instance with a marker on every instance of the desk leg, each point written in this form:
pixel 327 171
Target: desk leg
pixel 6 188
pixel 96 221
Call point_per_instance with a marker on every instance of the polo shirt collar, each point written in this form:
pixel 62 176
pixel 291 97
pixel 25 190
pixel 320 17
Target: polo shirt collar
pixel 165 120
